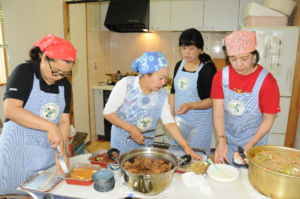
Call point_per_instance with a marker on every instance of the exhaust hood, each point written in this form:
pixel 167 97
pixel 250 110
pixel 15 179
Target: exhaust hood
pixel 128 16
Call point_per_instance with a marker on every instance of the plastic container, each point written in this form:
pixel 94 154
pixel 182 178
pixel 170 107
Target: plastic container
pixel 79 181
pixel 100 162
pixel 265 21
pixel 284 6
pixel 255 9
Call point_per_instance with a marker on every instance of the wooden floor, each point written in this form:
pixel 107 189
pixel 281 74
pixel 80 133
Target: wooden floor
pixel 97 145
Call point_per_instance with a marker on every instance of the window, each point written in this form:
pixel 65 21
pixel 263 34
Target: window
pixel 3 52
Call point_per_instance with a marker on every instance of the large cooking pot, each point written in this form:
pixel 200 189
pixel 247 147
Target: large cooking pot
pixel 270 183
pixel 150 184
pixel 115 77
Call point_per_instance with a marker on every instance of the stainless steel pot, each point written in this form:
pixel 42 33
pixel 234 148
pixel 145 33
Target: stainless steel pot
pixel 115 77
pixel 150 184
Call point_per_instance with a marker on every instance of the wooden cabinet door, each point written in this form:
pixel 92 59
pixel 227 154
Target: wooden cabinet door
pixel 160 15
pixel 186 14
pixel 221 15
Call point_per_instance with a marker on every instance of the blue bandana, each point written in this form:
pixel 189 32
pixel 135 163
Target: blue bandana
pixel 149 62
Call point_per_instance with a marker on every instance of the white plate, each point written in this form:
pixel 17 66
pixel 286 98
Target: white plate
pixel 230 171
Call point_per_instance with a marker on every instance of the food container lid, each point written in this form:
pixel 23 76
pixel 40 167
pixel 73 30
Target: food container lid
pixel 38 180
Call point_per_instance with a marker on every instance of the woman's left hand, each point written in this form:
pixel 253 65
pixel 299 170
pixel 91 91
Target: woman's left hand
pixel 58 165
pixel 192 153
pixel 184 108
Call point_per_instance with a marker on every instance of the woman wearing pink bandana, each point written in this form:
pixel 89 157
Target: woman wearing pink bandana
pixel 245 98
pixel 36 107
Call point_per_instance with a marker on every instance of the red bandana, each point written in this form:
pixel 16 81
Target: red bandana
pixel 57 48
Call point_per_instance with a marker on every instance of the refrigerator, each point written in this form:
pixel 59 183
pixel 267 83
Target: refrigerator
pixel 277 47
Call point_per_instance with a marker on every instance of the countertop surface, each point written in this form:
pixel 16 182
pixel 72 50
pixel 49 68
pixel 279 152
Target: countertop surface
pixel 221 190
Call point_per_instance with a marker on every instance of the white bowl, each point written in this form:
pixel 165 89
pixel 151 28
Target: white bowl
pixel 284 6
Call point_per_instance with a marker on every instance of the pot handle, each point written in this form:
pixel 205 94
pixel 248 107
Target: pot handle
pixel 240 158
pixel 188 160
pixel 110 155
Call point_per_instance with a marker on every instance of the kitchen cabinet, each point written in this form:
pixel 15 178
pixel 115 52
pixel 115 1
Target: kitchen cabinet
pixel 186 14
pixel 221 15
pixel 99 120
pixel 104 8
pixel 243 4
pixel 160 11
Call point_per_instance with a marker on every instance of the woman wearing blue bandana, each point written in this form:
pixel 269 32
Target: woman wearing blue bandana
pixel 136 103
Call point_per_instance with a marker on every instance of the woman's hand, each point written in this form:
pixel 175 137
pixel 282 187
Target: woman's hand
pixel 191 152
pixel 136 135
pixel 184 108
pixel 221 153
pixel 55 137
pixel 248 146
pixel 58 165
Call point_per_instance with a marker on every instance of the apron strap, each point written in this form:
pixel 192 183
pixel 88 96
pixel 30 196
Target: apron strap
pixel 225 77
pixel 260 80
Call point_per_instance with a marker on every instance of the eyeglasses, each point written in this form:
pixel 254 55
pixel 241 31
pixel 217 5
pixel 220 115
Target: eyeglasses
pixel 59 74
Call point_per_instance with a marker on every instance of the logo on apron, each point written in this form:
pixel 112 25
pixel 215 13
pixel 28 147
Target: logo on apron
pixel 236 107
pixel 182 83
pixel 145 123
pixel 49 111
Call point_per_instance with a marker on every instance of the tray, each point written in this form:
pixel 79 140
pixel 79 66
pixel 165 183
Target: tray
pixel 36 181
pixel 102 164
pixel 186 167
pixel 188 131
pixel 78 181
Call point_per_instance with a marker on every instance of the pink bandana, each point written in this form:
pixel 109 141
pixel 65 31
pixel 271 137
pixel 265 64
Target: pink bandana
pixel 57 48
pixel 240 42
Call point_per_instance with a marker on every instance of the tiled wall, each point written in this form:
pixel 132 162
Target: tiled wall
pixel 99 56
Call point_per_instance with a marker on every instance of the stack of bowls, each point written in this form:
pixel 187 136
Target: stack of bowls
pixel 115 168
pixel 104 181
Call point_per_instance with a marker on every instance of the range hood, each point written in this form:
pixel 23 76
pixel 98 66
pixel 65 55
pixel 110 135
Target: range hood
pixel 127 16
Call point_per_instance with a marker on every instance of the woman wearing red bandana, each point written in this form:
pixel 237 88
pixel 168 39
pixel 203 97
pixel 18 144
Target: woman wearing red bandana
pixel 36 107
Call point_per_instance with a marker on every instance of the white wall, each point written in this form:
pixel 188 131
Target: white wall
pixel 79 78
pixel 25 23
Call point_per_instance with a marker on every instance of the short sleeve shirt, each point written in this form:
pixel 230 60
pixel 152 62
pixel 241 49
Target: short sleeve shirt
pixel 269 96
pixel 20 83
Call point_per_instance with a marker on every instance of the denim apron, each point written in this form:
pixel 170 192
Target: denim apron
pixel 242 114
pixel 139 110
pixel 25 151
pixel 185 92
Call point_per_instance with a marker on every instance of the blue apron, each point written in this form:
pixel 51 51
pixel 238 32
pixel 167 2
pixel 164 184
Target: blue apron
pixel 139 110
pixel 242 114
pixel 25 151
pixel 186 92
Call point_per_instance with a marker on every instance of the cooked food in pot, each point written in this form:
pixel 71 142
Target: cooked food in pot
pixel 198 167
pixel 104 157
pixel 83 173
pixel 278 161
pixel 147 166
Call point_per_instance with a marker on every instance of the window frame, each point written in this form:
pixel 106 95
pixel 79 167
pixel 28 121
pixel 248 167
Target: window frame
pixel 4 46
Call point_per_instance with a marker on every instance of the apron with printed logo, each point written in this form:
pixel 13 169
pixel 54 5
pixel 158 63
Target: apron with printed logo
pixel 186 91
pixel 139 110
pixel 25 151
pixel 242 114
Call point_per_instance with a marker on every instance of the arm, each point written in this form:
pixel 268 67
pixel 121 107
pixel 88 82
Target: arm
pixel 172 104
pixel 263 129
pixel 13 110
pixel 219 124
pixel 173 129
pixel 204 104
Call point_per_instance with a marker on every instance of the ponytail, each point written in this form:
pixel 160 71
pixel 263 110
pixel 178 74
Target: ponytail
pixel 34 54
pixel 204 57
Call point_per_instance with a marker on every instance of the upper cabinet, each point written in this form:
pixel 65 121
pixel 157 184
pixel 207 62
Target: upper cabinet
pixel 160 11
pixel 221 15
pixel 186 14
pixel 243 4
pixel 104 8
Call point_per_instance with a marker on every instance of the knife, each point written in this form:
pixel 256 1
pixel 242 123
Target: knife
pixel 62 162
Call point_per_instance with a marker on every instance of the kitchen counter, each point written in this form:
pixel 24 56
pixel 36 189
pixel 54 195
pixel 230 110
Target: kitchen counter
pixel 232 190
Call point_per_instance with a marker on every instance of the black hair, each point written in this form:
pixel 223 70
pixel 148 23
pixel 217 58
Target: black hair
pixel 256 53
pixel 35 53
pixel 193 37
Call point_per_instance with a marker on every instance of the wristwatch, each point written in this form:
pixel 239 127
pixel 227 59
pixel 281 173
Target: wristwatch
pixel 222 136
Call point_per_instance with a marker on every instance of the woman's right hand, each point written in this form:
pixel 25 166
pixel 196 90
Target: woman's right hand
pixel 136 135
pixel 55 137
pixel 221 153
